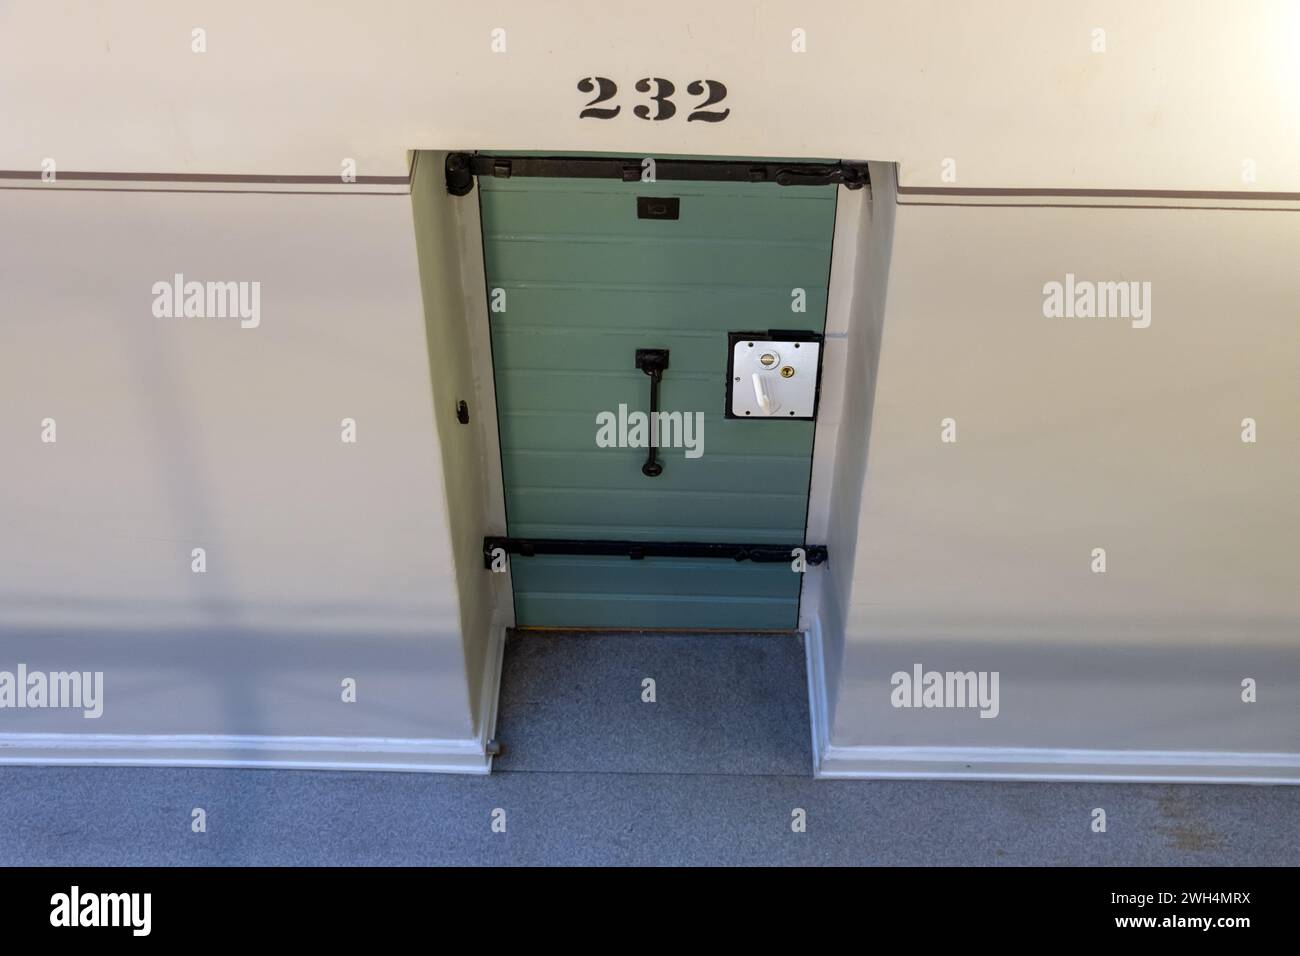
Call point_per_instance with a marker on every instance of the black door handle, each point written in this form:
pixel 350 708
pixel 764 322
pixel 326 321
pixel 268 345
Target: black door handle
pixel 653 362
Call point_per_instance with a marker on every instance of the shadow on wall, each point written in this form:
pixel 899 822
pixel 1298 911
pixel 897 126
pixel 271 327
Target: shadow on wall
pixel 219 680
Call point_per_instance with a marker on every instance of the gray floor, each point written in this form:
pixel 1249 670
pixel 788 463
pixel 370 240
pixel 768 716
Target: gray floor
pixel 708 774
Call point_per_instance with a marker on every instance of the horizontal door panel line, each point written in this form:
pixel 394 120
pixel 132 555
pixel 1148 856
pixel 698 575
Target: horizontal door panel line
pixel 695 288
pixel 609 453
pixel 721 486
pixel 550 529
pixel 757 455
pixel 601 327
pixel 619 567
pixel 618 238
pixel 598 327
pixel 609 373
pixel 641 596
pixel 604 371
pixel 568 187
pixel 631 453
pixel 584 414
pixel 528 335
pixel 717 419
pixel 604 452
pixel 672 494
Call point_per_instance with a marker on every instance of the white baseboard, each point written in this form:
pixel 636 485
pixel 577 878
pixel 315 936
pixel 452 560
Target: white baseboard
pixel 1023 763
pixel 490 694
pixel 212 750
pixel 1050 764
pixel 818 693
pixel 424 755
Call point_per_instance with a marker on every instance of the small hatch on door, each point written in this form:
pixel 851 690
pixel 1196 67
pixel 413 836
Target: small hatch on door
pixel 658 207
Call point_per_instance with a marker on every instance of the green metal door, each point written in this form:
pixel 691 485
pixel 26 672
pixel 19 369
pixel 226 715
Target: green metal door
pixel 578 280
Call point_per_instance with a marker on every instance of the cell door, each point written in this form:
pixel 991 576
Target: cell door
pixel 656 349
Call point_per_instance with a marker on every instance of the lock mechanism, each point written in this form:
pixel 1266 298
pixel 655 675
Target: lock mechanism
pixel 773 374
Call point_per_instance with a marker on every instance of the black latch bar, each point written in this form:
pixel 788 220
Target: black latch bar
pixel 461 169
pixel 637 550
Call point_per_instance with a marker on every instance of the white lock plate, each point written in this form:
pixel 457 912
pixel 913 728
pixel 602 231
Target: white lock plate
pixel 773 378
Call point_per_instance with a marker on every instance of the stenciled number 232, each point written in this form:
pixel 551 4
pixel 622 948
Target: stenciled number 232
pixel 606 89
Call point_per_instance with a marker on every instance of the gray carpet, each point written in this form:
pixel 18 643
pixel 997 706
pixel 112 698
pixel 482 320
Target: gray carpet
pixel 709 774
pixel 732 704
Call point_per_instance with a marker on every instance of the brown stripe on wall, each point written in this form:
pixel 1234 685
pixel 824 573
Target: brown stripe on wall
pixel 1194 194
pixel 207 178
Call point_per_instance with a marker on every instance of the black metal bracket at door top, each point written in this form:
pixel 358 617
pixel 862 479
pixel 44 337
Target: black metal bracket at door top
pixel 463 167
pixel 637 550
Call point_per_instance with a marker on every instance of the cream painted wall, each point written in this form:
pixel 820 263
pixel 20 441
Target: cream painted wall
pixel 864 225
pixel 1075 434
pixel 1009 90
pixel 325 560
pixel 448 239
